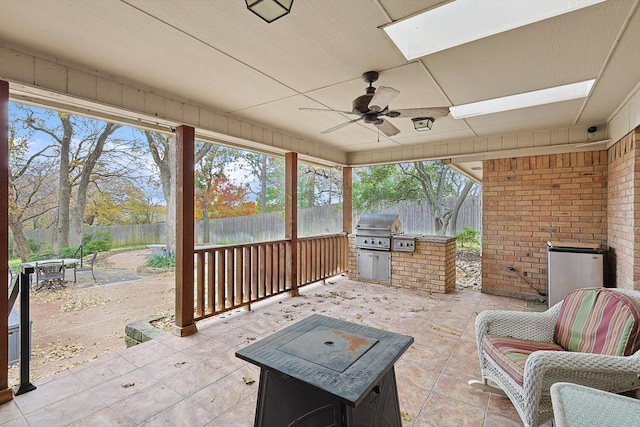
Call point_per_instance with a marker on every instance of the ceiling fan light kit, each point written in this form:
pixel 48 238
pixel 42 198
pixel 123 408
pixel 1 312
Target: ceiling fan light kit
pixel 269 10
pixel 374 105
pixel 422 124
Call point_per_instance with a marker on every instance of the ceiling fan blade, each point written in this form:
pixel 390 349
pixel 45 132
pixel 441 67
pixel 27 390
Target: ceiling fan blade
pixel 341 125
pixel 387 128
pixel 423 112
pixel 382 98
pixel 326 109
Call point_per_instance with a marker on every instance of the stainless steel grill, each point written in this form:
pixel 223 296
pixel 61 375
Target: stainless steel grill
pixel 383 232
pixel 374 231
pixel 376 236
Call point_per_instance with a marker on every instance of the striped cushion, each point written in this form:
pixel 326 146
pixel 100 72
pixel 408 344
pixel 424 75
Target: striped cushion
pixel 598 320
pixel 511 353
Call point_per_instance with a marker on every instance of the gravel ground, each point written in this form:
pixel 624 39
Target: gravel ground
pixel 86 320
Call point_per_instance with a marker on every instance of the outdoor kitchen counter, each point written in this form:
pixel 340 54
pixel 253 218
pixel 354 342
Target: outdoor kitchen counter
pixel 431 267
pixel 434 239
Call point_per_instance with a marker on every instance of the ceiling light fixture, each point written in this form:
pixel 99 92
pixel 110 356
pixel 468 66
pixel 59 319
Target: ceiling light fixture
pixel 524 100
pixel 422 123
pixel 269 10
pixel 462 21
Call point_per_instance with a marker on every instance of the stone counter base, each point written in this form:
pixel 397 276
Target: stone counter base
pixel 432 267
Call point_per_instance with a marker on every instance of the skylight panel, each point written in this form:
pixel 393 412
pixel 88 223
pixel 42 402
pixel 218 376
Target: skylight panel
pixel 463 21
pixel 524 100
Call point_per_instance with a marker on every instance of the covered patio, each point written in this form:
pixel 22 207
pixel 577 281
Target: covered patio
pixel 564 170
pixel 197 380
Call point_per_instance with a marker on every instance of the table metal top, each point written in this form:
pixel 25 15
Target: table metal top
pixel 67 261
pixel 341 358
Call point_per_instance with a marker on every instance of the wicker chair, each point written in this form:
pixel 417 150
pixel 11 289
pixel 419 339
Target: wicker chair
pixel 590 338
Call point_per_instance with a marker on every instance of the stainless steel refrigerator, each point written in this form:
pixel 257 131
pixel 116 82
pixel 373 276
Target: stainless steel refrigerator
pixel 570 266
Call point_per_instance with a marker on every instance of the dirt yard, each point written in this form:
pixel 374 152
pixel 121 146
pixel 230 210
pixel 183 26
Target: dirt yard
pixel 87 320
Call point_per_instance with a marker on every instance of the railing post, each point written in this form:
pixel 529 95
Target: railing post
pixel 185 140
pixel 25 333
pixel 291 217
pixel 5 391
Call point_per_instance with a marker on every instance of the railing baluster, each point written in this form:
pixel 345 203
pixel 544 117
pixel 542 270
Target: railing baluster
pixel 221 283
pixel 200 287
pixel 255 276
pixel 211 281
pixel 239 276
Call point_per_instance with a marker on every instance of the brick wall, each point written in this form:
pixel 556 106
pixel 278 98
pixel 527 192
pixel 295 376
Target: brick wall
pixel 623 212
pixel 620 211
pixel 530 200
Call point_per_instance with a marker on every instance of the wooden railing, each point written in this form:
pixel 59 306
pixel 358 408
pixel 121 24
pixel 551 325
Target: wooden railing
pixel 229 277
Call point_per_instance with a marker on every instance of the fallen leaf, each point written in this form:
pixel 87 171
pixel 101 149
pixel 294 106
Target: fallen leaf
pixel 248 380
pixel 127 385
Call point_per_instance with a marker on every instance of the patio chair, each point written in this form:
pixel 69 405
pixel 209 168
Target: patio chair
pixel 87 267
pixel 590 338
pixel 49 274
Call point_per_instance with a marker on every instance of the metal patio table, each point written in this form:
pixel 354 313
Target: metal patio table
pixel 327 372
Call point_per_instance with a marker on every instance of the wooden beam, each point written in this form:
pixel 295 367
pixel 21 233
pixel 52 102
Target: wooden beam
pixel 5 392
pixel 347 199
pixel 185 143
pixel 291 217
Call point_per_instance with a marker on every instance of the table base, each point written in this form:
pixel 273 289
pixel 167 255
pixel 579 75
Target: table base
pixel 286 401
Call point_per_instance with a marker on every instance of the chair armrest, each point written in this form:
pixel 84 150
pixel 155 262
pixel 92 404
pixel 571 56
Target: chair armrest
pixel 537 326
pixel 543 361
pixel 547 367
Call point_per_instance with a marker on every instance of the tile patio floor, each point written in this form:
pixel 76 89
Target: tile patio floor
pixel 197 380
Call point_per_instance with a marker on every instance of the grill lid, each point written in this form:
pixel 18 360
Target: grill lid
pixel 379 222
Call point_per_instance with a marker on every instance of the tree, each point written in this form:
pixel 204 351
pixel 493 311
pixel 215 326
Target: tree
pixel 163 147
pixel 120 201
pixel 269 172
pixel 226 199
pixel 321 186
pixel 30 181
pixel 428 181
pixel 89 152
pixel 257 165
pixel 436 181
pixel 210 168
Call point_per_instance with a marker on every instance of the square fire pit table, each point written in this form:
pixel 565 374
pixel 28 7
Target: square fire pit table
pixel 323 371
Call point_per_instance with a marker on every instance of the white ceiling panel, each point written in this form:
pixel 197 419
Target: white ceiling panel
pixel 219 56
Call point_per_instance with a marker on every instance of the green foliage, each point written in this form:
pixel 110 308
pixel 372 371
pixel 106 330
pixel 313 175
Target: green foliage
pixel 34 245
pixel 161 261
pixel 68 252
pixel 469 236
pixel 99 241
pixel 15 265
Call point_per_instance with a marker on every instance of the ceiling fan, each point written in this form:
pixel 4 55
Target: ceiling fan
pixel 374 105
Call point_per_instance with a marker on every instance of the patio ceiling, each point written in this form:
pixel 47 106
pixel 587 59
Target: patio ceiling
pixel 218 56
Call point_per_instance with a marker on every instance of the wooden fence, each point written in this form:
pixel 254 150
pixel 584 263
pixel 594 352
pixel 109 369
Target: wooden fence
pixel 415 219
